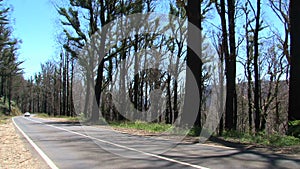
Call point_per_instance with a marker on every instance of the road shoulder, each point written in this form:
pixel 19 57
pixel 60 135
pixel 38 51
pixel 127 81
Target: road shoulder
pixel 15 151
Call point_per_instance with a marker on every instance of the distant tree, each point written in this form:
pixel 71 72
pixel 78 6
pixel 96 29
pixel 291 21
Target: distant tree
pixel 176 47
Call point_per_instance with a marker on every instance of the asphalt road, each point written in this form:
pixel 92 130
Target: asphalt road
pixel 72 146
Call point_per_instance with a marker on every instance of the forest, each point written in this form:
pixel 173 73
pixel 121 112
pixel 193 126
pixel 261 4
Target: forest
pixel 227 65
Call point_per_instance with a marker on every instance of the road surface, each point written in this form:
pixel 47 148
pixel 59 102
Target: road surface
pixel 72 146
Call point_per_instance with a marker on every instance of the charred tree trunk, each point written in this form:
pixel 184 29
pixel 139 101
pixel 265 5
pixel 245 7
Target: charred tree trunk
pixel 169 113
pixel 249 91
pixel 9 94
pixel 136 75
pixel 248 71
pixel 72 108
pixel 257 118
pixel 194 63
pixel 100 53
pixel 231 112
pixel 294 91
pixel 67 86
pixel 98 90
pixel 229 91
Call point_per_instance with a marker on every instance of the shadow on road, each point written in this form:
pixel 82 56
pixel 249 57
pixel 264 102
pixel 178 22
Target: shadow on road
pixel 66 123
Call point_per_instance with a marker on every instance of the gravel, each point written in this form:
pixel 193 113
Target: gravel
pixel 15 152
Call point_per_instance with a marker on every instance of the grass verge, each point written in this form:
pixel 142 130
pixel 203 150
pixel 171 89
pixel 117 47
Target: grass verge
pixel 67 118
pixel 149 127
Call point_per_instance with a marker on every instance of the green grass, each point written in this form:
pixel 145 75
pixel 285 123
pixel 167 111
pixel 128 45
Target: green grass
pixel 276 140
pixel 150 127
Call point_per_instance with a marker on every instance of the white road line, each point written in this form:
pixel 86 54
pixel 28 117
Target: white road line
pixel 41 153
pixel 124 147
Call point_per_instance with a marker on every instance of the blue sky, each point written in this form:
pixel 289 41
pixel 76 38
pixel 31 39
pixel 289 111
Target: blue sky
pixel 34 24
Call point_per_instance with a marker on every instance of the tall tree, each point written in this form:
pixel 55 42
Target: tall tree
pixel 224 54
pixel 294 91
pixel 257 116
pixel 231 99
pixel 229 53
pixel 193 62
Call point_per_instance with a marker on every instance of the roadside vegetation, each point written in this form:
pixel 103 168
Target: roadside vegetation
pixel 274 140
pixel 262 138
pixel 4 118
pixel 4 108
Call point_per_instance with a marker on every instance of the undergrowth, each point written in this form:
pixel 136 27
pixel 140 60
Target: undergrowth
pixel 261 138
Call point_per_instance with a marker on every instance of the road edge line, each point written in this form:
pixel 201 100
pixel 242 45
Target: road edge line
pixel 36 147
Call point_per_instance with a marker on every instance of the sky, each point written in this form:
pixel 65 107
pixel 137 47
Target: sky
pixel 34 24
